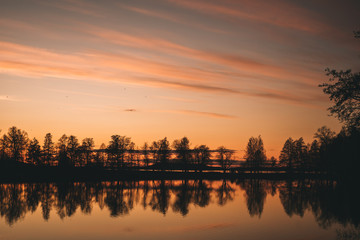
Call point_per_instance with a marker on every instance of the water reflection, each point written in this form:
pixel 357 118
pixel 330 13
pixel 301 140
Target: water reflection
pixel 329 202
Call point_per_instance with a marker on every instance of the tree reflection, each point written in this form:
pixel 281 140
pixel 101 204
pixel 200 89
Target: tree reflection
pixel 160 197
pixel 255 195
pixel 225 193
pixel 183 198
pixel 329 202
pixel 115 199
pixel 202 192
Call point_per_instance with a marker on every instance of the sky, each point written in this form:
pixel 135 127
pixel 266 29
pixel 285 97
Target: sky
pixel 217 72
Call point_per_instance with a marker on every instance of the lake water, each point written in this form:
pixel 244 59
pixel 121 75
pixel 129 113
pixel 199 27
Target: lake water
pixel 192 209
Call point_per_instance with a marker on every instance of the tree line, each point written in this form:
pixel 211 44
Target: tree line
pixel 121 152
pixel 329 152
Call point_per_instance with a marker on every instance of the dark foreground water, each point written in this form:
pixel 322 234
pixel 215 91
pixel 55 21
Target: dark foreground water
pixel 193 209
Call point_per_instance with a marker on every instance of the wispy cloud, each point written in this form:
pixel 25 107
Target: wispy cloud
pixel 178 99
pixel 79 7
pixel 172 18
pixel 83 93
pixel 130 110
pixel 260 66
pixel 101 66
pixel 205 114
pixel 296 18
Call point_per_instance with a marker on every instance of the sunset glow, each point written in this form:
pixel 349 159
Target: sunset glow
pixel 217 72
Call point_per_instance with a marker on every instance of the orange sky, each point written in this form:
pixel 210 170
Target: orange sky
pixel 217 72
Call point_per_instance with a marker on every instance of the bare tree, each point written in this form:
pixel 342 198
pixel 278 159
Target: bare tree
pixel 224 157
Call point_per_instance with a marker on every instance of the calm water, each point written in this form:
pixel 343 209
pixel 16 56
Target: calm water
pixel 244 209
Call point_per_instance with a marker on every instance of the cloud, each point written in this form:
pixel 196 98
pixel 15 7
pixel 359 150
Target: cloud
pixel 130 110
pixel 79 7
pixel 171 17
pixel 109 67
pixel 205 114
pixel 181 85
pixel 281 14
pixel 260 67
pixel 176 99
pixel 83 93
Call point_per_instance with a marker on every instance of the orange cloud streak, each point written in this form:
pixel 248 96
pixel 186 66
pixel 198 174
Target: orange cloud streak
pixel 25 61
pixel 269 12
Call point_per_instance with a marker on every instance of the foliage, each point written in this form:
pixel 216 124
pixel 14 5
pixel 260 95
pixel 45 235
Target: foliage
pixel 48 149
pixel 118 145
pixel 182 149
pixel 224 157
pixel 255 152
pixel 324 135
pixel 161 151
pixel 86 147
pixel 146 151
pixel 287 154
pixel 202 155
pixel 344 89
pixel 15 143
pixel 34 152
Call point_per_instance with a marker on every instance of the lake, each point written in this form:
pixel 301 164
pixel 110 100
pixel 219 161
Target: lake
pixel 180 209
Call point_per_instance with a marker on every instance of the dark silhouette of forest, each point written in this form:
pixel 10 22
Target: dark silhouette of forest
pixel 331 154
pixel 329 202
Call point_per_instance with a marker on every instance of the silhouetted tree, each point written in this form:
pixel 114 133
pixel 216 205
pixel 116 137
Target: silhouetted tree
pixel 117 148
pixel 344 90
pixel 63 152
pixel 16 142
pixel 287 154
pixel 255 152
pixel 314 154
pixel 73 150
pixel 34 152
pixel 4 151
pixel 201 155
pixel 100 156
pixel 161 151
pixel 224 157
pixel 131 154
pixel 182 150
pixel 301 153
pixel 272 161
pixel 146 151
pixel 48 149
pixel 86 148
pixel 324 135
